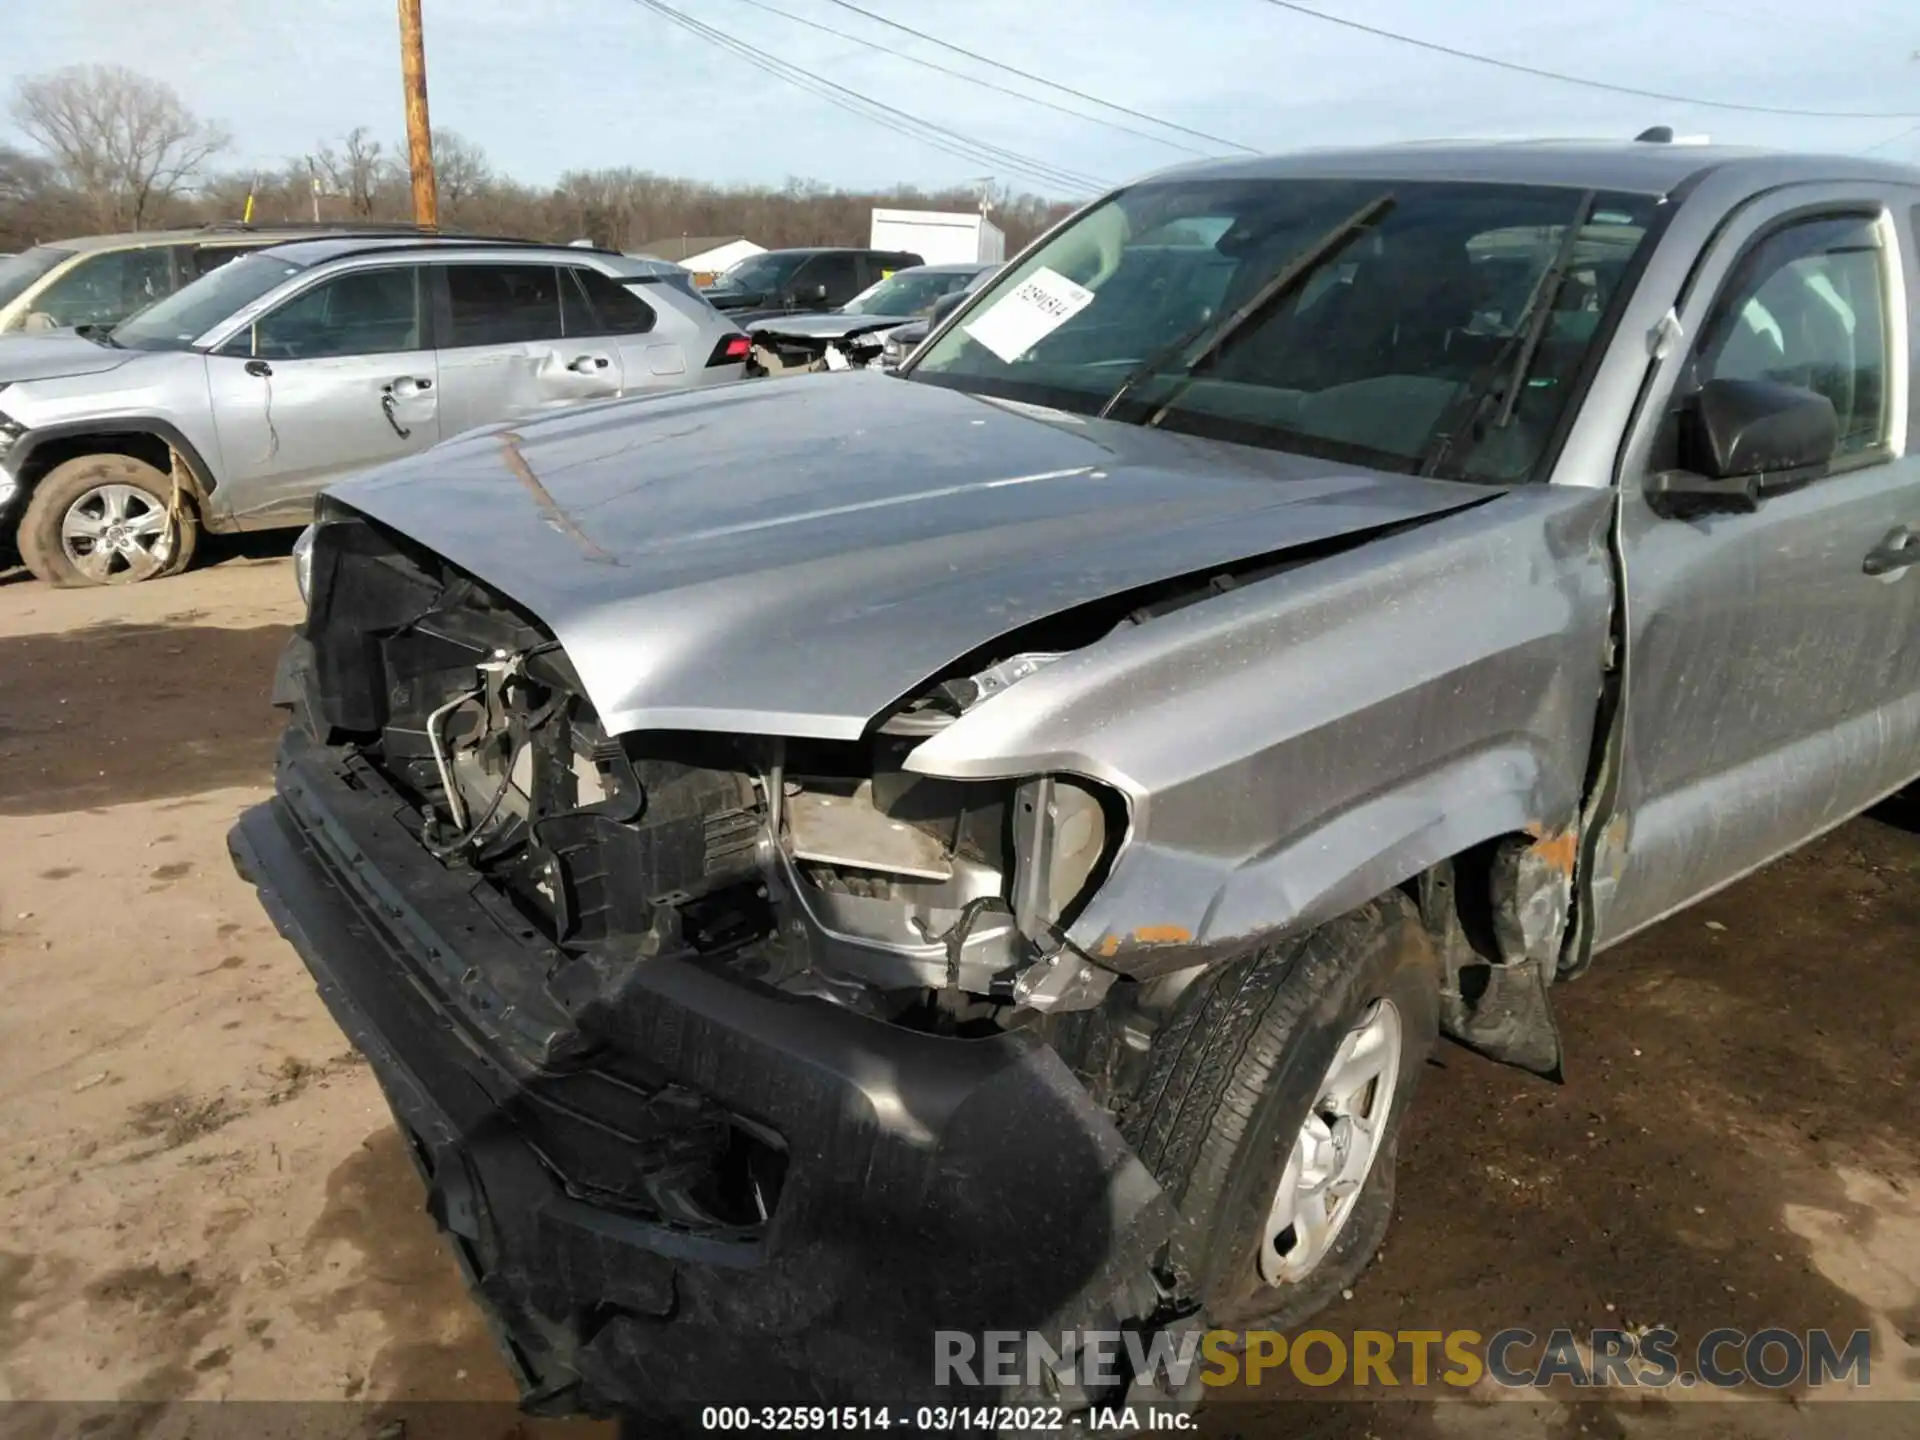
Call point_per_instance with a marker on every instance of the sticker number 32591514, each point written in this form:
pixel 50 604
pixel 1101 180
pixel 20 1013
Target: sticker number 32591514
pixel 1034 309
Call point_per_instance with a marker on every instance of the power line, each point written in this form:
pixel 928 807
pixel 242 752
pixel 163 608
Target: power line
pixel 971 79
pixel 1911 130
pixel 1042 80
pixel 951 141
pixel 973 151
pixel 1538 73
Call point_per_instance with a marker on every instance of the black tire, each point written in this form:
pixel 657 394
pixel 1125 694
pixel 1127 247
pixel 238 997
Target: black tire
pixel 66 485
pixel 1231 1078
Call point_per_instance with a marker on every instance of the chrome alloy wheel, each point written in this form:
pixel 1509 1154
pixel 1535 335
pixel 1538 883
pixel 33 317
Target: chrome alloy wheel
pixel 1335 1149
pixel 117 532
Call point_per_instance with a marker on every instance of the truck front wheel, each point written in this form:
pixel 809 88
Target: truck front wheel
pixel 1272 1106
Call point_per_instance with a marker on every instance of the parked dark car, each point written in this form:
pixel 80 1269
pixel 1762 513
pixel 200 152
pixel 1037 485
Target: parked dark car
pixel 901 341
pixel 780 282
pixel 849 336
pixel 993 848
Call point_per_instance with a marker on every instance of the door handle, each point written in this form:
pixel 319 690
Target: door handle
pixel 407 386
pixel 1900 549
pixel 587 364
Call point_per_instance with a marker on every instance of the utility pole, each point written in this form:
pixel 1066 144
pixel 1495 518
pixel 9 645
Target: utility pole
pixel 413 69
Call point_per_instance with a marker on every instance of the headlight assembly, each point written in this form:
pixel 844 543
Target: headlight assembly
pixel 303 564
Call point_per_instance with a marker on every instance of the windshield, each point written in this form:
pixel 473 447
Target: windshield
pixel 184 316
pixel 906 292
pixel 17 272
pixel 760 273
pixel 1380 322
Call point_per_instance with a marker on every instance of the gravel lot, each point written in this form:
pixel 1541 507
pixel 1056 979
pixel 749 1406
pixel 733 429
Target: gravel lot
pixel 201 1197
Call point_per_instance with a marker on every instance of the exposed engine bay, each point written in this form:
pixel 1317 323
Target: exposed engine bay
pixel 817 867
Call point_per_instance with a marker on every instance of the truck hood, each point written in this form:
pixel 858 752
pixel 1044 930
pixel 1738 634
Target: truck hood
pixel 836 326
pixel 794 558
pixel 47 355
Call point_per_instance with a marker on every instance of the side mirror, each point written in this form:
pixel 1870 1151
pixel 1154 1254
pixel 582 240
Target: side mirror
pixel 1743 440
pixel 945 306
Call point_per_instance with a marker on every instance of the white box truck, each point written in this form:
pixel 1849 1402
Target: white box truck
pixel 940 237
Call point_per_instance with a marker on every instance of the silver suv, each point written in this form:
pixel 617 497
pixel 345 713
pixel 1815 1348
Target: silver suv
pixel 230 403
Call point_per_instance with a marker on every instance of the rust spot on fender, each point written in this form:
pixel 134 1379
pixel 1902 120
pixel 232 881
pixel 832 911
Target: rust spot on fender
pixel 1163 935
pixel 1560 849
pixel 1145 937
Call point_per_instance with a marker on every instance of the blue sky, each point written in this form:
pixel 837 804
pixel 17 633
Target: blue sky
pixel 549 86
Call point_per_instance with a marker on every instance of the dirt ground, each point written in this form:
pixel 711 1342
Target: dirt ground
pixel 201 1197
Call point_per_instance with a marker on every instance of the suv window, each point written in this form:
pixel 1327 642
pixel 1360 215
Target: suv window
pixel 1807 307
pixel 839 273
pixel 503 304
pixel 611 308
pixel 106 288
pixel 363 312
pixel 198 260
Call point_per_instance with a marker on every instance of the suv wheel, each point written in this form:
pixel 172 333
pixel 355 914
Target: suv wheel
pixel 1272 1108
pixel 105 520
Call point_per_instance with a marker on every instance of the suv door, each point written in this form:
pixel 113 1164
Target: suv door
pixel 504 351
pixel 335 378
pixel 601 306
pixel 1773 682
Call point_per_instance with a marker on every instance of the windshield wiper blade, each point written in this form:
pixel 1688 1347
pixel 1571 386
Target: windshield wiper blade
pixel 1530 328
pixel 99 335
pixel 1217 333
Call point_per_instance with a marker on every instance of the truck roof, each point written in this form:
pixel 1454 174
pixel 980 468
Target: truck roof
pixel 1642 167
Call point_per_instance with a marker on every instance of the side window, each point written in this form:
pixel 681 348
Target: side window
pixel 363 312
pixel 205 259
pixel 610 309
pixel 1807 307
pixel 503 304
pixel 839 273
pixel 105 289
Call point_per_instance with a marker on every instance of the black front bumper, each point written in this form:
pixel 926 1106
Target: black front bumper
pixel 931 1183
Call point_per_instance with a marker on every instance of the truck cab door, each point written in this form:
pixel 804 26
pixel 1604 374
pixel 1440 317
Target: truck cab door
pixel 505 352
pixel 336 378
pixel 827 282
pixel 1772 674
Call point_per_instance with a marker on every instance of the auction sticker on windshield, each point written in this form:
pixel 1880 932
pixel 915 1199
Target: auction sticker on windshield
pixel 1037 306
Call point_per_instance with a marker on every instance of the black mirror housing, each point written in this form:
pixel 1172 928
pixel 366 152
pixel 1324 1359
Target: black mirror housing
pixel 1742 440
pixel 945 306
pixel 1737 428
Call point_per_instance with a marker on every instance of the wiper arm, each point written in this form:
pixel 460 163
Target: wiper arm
pixel 1522 346
pixel 1217 333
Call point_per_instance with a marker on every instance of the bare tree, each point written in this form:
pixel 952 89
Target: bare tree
pixel 460 169
pixel 126 143
pixel 359 170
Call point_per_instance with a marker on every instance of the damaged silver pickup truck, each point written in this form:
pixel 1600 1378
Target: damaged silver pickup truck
pixel 993 848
